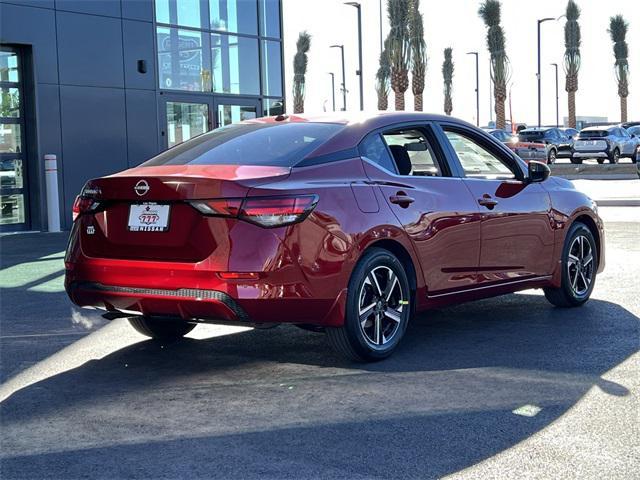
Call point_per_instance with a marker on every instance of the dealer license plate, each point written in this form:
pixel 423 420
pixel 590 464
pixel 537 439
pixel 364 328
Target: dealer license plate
pixel 148 217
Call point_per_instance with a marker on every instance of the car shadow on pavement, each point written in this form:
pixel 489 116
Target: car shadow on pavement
pixel 467 383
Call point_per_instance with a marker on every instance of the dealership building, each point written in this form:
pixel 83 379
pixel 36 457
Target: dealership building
pixel 106 84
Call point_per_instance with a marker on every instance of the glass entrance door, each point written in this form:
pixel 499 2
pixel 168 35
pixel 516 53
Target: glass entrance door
pixel 184 117
pixel 14 212
pixel 233 110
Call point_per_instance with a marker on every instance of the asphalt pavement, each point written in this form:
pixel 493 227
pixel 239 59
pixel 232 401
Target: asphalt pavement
pixel 508 387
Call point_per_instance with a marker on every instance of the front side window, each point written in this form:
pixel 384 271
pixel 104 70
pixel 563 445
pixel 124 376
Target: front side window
pixel 476 161
pixel 271 144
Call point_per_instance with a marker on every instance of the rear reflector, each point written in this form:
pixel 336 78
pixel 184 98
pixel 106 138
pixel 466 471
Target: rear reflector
pixel 239 275
pixel 268 212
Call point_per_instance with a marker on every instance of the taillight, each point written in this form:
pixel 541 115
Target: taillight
pixel 268 212
pixel 83 205
pixel 222 207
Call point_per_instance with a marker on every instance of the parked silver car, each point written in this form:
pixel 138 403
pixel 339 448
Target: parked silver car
pixel 604 143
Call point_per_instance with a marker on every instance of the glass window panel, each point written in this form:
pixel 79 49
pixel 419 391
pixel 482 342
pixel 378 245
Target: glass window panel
pixel 9 67
pixel 273 107
pixel 181 62
pixel 228 114
pixel 11 175
pixel 476 161
pixel 9 102
pixel 271 69
pixel 234 16
pixel 10 138
pixel 185 13
pixel 234 63
pixel 11 209
pixel 185 121
pixel 270 18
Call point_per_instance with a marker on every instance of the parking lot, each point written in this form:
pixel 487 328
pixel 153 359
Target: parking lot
pixel 498 388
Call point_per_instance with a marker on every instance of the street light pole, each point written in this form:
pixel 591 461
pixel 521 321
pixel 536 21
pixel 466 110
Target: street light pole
pixel 381 43
pixel 333 90
pixel 557 97
pixel 540 22
pixel 477 87
pixel 344 86
pixel 359 72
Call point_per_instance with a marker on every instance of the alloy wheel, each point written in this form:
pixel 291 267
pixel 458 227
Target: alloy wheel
pixel 380 306
pixel 580 265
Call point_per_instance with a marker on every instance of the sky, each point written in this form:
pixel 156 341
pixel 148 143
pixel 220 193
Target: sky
pixel 455 23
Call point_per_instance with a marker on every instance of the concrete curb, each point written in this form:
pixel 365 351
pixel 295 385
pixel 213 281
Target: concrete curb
pixel 618 202
pixel 570 171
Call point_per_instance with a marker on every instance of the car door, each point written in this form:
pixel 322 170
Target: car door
pixel 627 141
pixel 434 207
pixel 516 227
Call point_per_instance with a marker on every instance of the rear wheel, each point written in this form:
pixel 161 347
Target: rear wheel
pixel 579 266
pixel 600 160
pixel 161 328
pixel 615 156
pixel 378 308
pixel 576 160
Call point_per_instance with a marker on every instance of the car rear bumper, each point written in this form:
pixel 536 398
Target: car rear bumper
pixel 590 154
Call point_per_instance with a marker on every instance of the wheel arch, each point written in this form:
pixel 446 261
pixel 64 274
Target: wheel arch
pixel 403 255
pixel 593 228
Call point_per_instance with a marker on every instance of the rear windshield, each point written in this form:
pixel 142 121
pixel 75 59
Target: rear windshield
pixel 593 134
pixel 530 136
pixel 279 144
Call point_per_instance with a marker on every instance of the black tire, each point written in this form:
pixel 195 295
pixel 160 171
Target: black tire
pixel 600 160
pixel 354 339
pixel 567 295
pixel 614 157
pixel 161 328
pixel 636 156
pixel 552 156
pixel 576 161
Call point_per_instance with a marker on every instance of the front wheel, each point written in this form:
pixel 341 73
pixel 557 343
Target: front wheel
pixel 378 308
pixel 161 328
pixel 551 158
pixel 600 160
pixel 636 155
pixel 579 265
pixel 576 160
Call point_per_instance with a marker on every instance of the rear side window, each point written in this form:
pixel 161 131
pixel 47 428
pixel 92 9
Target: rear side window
pixel 374 149
pixel 280 144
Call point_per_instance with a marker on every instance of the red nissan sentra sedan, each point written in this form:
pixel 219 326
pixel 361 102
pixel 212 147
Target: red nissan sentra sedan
pixel 336 223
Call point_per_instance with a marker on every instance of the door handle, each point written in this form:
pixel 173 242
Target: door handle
pixel 401 199
pixel 487 201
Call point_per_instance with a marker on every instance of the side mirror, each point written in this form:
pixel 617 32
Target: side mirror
pixel 538 172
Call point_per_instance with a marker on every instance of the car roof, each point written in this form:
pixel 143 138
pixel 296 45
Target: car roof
pixel 536 129
pixel 592 129
pixel 357 125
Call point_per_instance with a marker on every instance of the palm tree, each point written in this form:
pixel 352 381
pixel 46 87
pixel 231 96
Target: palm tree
pixel 299 70
pixel 618 31
pixel 382 77
pixel 399 48
pixel 572 57
pixel 500 68
pixel 447 74
pixel 418 54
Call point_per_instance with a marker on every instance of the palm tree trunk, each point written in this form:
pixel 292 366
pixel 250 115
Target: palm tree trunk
pixel 417 102
pixel 383 103
pixel 448 105
pixel 500 97
pixel 623 109
pixel 571 94
pixel 298 104
pixel 399 101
